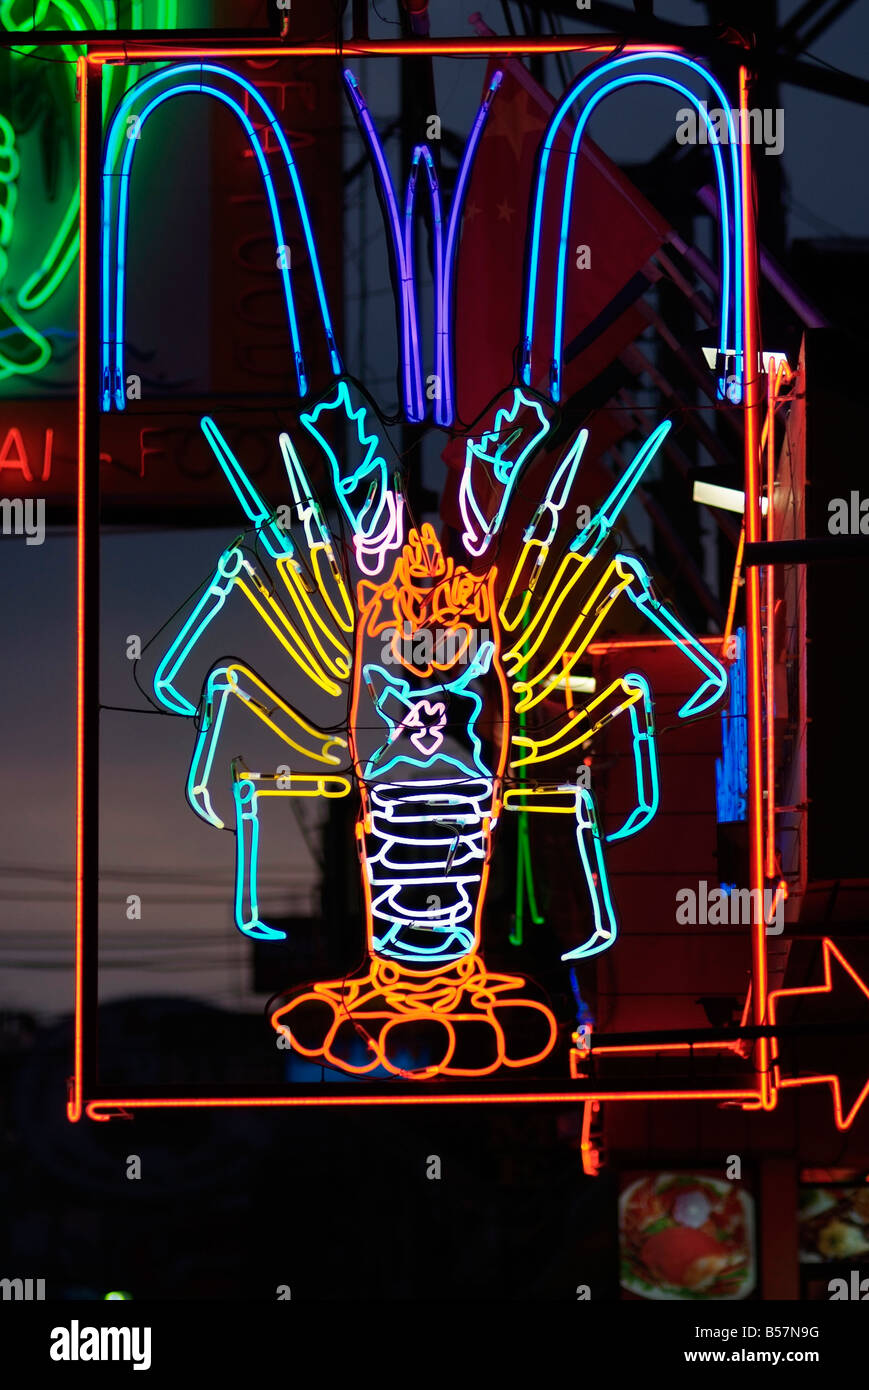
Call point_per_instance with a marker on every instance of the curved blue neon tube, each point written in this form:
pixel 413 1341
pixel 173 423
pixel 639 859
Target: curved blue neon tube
pixel 121 114
pixel 445 253
pixel 444 409
pixel 423 152
pixel 414 406
pixel 577 91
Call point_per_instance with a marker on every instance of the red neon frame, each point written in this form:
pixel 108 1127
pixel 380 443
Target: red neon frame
pixel 753 400
pixel 360 48
pixel 104 1107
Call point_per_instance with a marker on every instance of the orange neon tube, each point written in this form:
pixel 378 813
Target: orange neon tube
pixel 134 52
pixel 754 663
pixel 96 1109
pixel 618 644
pixel 589 1154
pixel 843 1121
pixel 629 1049
pixel 102 1108
pixel 734 590
pixel 770 866
pixel 774 380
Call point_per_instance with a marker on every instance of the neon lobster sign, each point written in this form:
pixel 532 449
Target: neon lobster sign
pixel 428 744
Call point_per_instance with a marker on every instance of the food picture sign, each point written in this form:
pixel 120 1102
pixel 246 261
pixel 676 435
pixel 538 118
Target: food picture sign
pixel 686 1236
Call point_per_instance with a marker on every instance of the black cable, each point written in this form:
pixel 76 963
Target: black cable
pixel 396 23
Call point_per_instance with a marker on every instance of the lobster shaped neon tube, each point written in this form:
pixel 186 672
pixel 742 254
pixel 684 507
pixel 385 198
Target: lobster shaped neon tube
pixel 434 660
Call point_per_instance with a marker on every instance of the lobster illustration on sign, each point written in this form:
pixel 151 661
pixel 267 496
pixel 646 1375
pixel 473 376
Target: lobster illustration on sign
pixel 428 741
pixel 430 657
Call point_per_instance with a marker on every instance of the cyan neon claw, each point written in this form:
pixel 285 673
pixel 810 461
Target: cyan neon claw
pixel 260 931
pixel 601 941
pixel 636 821
pixel 705 696
pixel 168 696
pixel 200 801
